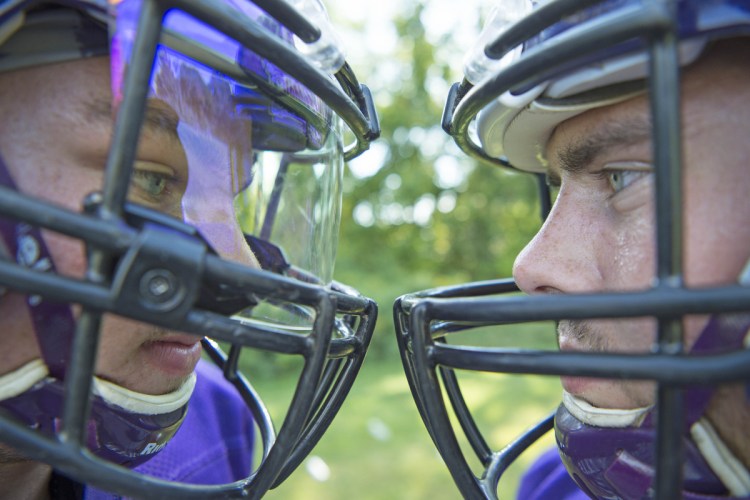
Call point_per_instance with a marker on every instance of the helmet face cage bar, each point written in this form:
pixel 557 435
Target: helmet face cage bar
pixel 425 320
pixel 127 243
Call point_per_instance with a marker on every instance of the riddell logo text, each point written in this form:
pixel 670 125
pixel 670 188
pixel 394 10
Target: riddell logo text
pixel 152 448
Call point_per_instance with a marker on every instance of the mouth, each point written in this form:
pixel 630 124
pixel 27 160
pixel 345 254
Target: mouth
pixel 174 354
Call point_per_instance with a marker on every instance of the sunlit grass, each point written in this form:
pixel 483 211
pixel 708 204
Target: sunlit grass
pixel 378 448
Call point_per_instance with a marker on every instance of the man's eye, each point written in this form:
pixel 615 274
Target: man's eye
pixel 155 185
pixel 622 174
pixel 620 179
pixel 152 179
pixel 152 183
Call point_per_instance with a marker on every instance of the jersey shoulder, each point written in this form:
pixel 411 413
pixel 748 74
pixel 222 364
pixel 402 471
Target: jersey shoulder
pixel 214 445
pixel 548 479
pixel 215 442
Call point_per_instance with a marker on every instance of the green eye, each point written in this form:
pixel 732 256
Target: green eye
pixel 616 180
pixel 620 179
pixel 624 173
pixel 155 185
pixel 152 183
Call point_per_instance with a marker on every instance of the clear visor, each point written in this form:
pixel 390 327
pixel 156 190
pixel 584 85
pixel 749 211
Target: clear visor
pixel 236 148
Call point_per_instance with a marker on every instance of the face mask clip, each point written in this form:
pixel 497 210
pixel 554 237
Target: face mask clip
pixel 153 286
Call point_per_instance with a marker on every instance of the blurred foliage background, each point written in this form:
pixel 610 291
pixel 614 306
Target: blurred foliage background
pixel 417 214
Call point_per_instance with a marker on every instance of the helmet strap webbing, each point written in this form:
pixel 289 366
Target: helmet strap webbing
pixel 53 322
pixel 722 333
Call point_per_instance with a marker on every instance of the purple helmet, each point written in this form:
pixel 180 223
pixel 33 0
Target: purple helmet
pixel 199 204
pixel 536 65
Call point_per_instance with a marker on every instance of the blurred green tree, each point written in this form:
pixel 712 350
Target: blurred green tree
pixel 417 214
pixel 428 216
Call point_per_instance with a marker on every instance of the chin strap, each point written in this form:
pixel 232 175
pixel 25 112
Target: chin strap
pixel 612 418
pixel 609 452
pixel 718 456
pixel 721 459
pixel 53 322
pixel 144 404
pixel 618 462
pixel 124 427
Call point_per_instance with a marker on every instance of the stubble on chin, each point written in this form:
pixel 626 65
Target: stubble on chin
pixel 583 334
pixel 592 336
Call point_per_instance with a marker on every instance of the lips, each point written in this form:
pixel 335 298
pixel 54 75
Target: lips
pixel 577 386
pixel 174 354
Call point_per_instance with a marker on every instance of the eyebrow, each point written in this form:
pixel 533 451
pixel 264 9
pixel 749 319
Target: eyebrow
pixel 157 119
pixel 575 156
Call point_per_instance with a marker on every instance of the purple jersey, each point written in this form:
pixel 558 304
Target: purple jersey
pixel 548 479
pixel 215 442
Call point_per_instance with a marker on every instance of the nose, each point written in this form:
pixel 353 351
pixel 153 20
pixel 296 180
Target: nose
pixel 227 239
pixel 562 257
pixel 240 251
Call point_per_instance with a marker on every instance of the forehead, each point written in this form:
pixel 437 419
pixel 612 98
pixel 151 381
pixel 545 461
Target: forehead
pixel 46 96
pixel 577 141
pixel 80 92
pixel 75 92
pixel 715 99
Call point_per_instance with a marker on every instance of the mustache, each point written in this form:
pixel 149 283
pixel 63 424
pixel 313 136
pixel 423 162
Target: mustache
pixel 583 332
pixel 145 331
pixel 157 334
pixel 154 333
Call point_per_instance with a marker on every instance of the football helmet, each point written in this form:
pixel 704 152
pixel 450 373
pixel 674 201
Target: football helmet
pixel 537 64
pixel 235 243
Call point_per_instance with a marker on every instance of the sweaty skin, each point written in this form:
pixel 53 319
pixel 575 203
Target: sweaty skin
pixel 600 233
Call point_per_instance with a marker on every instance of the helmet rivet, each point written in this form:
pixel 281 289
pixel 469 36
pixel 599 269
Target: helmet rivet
pixel 158 285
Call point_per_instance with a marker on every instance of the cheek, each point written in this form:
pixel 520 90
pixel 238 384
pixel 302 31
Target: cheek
pixel 626 335
pixel 66 186
pixel 118 335
pixel 632 260
pixel 717 239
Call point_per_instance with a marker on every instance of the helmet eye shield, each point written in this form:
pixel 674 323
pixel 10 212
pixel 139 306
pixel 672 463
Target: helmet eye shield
pixel 244 153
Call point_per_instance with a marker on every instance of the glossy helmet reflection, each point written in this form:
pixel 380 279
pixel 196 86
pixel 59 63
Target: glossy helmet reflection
pixel 536 65
pixel 234 240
